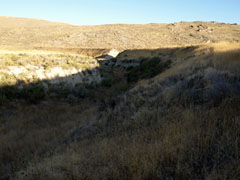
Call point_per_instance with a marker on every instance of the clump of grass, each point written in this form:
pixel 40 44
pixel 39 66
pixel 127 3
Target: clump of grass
pixel 7 79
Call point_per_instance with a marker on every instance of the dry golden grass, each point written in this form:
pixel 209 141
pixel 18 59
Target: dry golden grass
pixel 181 124
pixel 182 51
pixel 21 33
pixel 164 128
pixel 51 51
pixel 222 55
pixel 30 131
pixel 187 144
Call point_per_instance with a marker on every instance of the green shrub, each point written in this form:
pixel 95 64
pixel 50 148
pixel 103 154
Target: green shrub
pixel 80 91
pixel 122 88
pixel 65 92
pixel 9 92
pixel 129 68
pixel 107 82
pixel 71 98
pixel 3 99
pixel 33 93
pixel 148 68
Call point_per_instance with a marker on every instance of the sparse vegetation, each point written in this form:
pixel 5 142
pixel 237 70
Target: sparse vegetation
pixel 187 143
pixel 119 36
pixel 175 116
pixel 47 60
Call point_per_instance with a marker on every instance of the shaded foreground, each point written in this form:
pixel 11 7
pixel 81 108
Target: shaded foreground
pixel 180 121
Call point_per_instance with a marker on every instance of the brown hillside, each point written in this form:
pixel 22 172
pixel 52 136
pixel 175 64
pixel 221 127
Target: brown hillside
pixel 30 33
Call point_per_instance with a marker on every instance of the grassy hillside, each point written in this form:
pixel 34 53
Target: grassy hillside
pixel 19 33
pixel 175 116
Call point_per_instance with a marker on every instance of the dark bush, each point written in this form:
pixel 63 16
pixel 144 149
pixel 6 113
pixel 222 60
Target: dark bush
pixel 129 68
pixel 65 92
pixel 33 93
pixel 9 92
pixel 148 68
pixel 80 91
pixel 122 88
pixel 107 82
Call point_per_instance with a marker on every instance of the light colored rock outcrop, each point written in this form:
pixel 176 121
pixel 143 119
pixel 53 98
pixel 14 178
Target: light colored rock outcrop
pixel 114 53
pixel 54 75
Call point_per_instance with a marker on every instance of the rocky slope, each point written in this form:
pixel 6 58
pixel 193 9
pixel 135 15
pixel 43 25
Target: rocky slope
pixel 52 69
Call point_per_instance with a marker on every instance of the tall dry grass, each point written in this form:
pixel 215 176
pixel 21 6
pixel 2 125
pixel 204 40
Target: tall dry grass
pixel 182 124
pixel 187 144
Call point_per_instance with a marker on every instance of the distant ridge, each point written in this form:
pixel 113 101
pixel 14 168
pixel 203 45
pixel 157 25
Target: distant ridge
pixel 32 33
pixel 27 22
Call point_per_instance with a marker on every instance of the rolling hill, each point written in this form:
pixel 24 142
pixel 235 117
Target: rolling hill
pixel 30 33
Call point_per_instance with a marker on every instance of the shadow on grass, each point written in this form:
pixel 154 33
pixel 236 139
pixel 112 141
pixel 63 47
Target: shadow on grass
pixel 147 64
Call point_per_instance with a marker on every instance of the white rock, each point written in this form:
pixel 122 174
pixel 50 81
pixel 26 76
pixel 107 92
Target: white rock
pixel 114 53
pixel 16 70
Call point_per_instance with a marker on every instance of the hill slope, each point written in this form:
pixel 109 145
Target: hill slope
pixel 25 33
